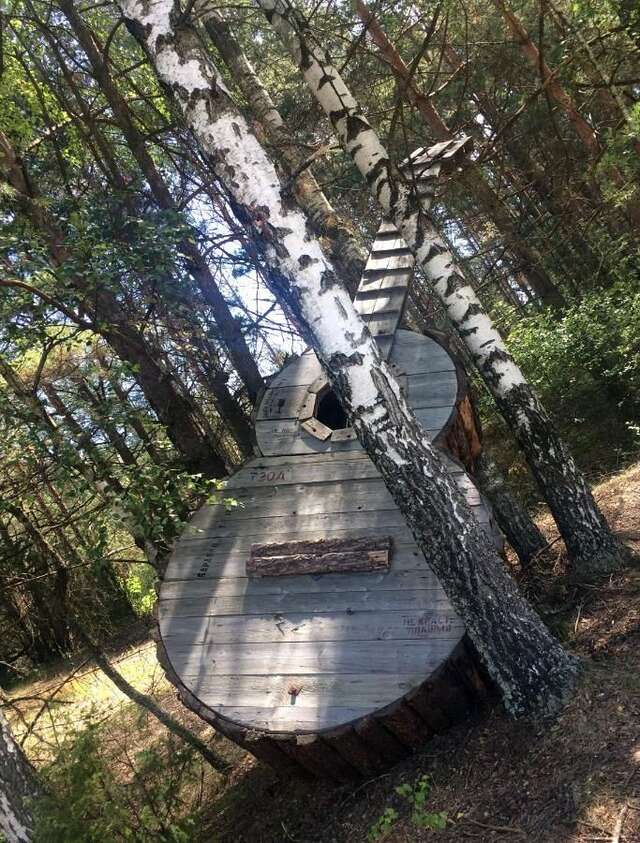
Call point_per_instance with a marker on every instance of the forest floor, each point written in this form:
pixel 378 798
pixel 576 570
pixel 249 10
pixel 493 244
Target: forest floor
pixel 575 780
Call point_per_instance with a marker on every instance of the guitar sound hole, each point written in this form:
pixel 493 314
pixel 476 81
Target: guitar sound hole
pixel 329 412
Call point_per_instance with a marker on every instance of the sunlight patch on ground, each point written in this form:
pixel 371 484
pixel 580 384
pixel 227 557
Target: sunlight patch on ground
pixel 44 713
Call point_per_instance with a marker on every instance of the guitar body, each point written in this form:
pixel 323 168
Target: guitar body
pixel 304 622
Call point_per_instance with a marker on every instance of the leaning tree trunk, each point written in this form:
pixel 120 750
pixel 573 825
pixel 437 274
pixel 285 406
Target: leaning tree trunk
pixel 144 701
pixel 592 548
pixel 584 130
pixel 513 519
pixel 533 671
pixel 18 788
pixel 346 254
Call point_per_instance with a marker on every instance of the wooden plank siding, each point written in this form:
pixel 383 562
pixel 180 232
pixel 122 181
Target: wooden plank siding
pixel 225 632
pixel 431 384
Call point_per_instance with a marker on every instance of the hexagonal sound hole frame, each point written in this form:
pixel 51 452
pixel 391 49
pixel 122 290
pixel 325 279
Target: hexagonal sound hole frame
pixel 318 392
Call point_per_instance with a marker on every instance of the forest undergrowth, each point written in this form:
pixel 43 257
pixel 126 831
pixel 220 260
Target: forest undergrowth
pixel 489 779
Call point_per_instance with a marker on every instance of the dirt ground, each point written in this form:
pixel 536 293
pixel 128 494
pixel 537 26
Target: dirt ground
pixel 571 781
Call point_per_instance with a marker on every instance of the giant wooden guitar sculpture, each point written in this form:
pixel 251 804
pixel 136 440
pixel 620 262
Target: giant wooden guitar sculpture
pixel 305 624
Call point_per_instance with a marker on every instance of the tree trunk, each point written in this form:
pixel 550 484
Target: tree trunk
pixel 133 415
pixel 52 602
pixel 533 671
pixel 591 546
pixel 101 416
pixel 347 255
pixel 83 441
pixel 18 787
pixel 112 594
pixel 583 129
pixel 471 176
pixel 229 328
pixel 174 726
pixel 513 519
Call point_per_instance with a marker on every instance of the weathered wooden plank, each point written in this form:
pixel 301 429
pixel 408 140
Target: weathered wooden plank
pixel 373 282
pixel 304 657
pixel 322 522
pixel 364 493
pixel 239 544
pixel 413 353
pixel 387 229
pixel 393 245
pixel 287 402
pixel 416 354
pixel 312 468
pixel 323 556
pixel 294 500
pixel 289 718
pixel 434 389
pixel 347 434
pixel 282 402
pixel 386 300
pixel 329 626
pixel 300 584
pixel 285 436
pixel 382 323
pixel 303 370
pixel 328 522
pixel 383 260
pixel 352 690
pixel 208 564
pixel 340 601
pixel 446 153
pixel 316 429
pixel 316 500
pixel 311 459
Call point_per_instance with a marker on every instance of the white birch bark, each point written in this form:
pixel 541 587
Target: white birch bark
pixel 532 670
pixel 18 786
pixel 347 255
pixel 590 544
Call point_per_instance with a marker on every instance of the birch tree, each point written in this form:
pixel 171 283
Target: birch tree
pixel 592 548
pixel 346 254
pixel 18 786
pixel 532 670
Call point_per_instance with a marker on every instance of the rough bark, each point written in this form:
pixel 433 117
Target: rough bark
pixel 18 788
pixel 281 559
pixel 590 544
pixel 513 519
pixel 532 670
pixel 471 176
pixel 230 332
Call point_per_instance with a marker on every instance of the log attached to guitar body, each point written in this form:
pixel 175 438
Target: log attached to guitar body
pixel 324 556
